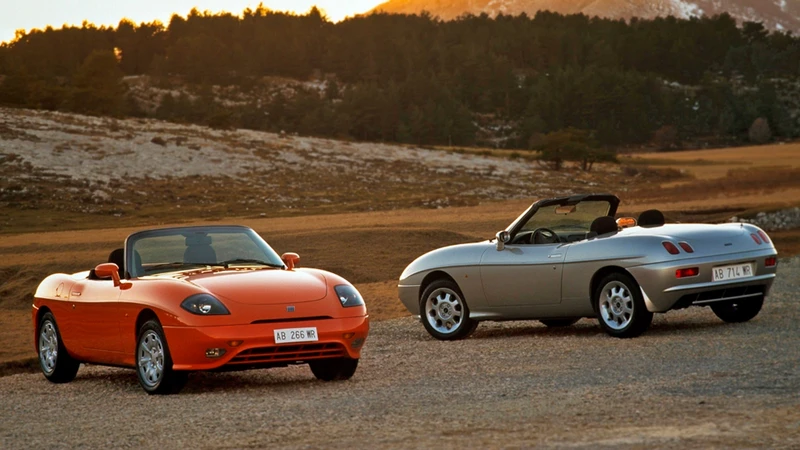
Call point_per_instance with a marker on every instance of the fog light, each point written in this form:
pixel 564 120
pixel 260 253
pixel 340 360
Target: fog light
pixel 771 261
pixel 215 352
pixel 235 343
pixel 348 335
pixel 690 272
pixel 357 343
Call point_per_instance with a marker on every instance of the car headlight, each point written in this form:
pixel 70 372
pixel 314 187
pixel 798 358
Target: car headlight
pixel 204 305
pixel 348 295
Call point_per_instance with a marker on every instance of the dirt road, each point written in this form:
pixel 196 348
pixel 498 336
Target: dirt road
pixel 690 381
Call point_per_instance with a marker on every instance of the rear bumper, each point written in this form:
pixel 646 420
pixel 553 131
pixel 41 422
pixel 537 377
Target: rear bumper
pixel 662 291
pixel 337 338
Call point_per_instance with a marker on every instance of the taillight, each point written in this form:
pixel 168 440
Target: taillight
pixel 686 247
pixel 688 272
pixel 771 261
pixel 763 236
pixel 755 238
pixel 670 247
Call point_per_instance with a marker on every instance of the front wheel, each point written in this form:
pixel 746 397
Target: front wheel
pixel 57 366
pixel 338 369
pixel 444 312
pixel 738 310
pixel 620 307
pixel 154 364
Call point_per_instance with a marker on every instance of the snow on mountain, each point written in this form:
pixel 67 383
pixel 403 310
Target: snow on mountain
pixel 774 14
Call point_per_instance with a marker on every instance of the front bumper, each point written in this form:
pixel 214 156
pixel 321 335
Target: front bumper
pixel 409 295
pixel 337 338
pixel 662 291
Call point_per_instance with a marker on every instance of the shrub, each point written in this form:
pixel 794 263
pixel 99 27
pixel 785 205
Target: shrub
pixel 760 133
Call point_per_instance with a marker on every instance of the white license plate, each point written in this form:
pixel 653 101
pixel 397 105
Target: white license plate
pixel 724 273
pixel 287 335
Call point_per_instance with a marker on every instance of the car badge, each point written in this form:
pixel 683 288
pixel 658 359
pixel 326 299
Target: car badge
pixel 290 309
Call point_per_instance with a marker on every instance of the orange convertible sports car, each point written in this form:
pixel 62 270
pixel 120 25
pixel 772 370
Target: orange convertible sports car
pixel 178 300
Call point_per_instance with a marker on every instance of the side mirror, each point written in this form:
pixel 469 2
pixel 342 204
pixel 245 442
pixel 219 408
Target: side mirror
pixel 290 259
pixel 111 270
pixel 503 237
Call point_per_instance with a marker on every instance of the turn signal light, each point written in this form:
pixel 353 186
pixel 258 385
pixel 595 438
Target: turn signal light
pixel 670 247
pixel 686 247
pixel 763 236
pixel 688 272
pixel 235 343
pixel 348 335
pixel 771 261
pixel 755 238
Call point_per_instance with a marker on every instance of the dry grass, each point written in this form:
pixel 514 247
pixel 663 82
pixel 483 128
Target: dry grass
pixel 717 163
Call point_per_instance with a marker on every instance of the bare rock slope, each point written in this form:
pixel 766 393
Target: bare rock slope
pixel 775 14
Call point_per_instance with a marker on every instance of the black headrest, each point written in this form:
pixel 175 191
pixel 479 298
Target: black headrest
pixel 651 218
pixel 198 239
pixel 603 225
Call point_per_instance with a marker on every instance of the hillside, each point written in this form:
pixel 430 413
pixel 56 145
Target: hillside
pixel 125 172
pixel 774 14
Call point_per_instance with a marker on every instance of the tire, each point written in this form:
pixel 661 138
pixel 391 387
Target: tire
pixel 738 311
pixel 338 369
pixel 154 363
pixel 557 323
pixel 620 307
pixel 444 311
pixel 56 363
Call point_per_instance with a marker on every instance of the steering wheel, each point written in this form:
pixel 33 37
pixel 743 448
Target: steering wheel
pixel 544 236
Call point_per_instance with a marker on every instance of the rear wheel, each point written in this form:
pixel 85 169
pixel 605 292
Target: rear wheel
pixel 333 369
pixel 556 323
pixel 154 364
pixel 444 312
pixel 738 310
pixel 57 366
pixel 620 307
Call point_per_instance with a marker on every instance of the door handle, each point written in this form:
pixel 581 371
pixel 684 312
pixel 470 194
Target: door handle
pixel 75 293
pixel 555 255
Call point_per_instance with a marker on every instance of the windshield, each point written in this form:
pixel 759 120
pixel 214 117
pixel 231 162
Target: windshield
pixel 576 217
pixel 171 249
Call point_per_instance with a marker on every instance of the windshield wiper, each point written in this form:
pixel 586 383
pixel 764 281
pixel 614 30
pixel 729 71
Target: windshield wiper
pixel 177 264
pixel 228 263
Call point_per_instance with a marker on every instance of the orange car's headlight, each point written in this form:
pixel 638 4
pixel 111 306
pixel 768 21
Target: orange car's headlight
pixel 204 305
pixel 348 295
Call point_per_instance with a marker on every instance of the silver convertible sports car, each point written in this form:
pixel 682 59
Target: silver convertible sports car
pixel 568 258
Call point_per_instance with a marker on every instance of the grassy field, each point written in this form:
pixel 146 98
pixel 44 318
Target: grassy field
pixel 371 248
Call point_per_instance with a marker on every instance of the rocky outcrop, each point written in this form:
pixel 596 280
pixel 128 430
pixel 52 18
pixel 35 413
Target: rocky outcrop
pixel 785 219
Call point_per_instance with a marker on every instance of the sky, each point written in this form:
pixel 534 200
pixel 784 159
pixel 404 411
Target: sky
pixel 29 14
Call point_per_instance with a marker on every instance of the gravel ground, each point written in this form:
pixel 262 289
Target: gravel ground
pixel 690 381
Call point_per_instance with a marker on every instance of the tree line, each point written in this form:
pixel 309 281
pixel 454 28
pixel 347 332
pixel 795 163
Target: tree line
pixel 417 79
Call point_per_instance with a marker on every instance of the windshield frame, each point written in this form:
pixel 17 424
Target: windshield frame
pixel 271 255
pixel 516 226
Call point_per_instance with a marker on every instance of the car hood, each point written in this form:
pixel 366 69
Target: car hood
pixel 262 287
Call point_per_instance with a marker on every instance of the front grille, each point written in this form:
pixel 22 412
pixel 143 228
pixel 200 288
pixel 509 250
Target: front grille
pixel 721 295
pixel 288 353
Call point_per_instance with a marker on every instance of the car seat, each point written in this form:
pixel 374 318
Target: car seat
pixel 651 218
pixel 603 225
pixel 199 250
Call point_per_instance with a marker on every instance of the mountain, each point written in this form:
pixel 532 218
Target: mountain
pixel 774 14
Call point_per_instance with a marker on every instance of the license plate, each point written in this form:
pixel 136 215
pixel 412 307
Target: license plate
pixel 724 273
pixel 287 335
